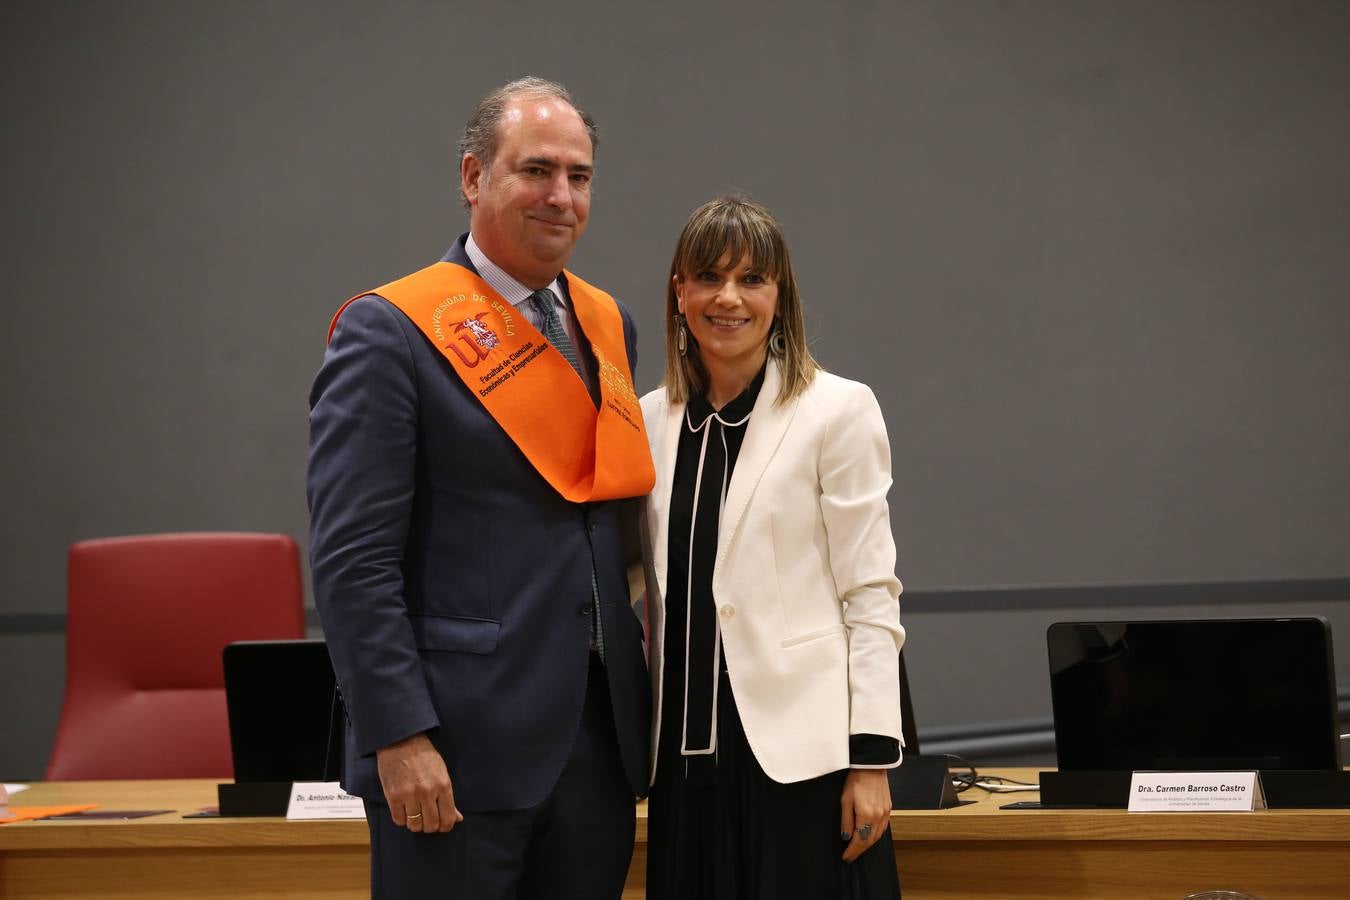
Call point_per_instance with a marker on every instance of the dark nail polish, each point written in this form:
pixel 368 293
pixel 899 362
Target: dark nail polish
pixel 844 835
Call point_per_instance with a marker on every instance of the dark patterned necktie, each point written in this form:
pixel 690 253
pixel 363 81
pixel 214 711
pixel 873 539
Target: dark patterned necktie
pixel 545 305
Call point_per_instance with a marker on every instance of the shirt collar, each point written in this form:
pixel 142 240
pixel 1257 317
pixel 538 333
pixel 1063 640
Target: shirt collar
pixel 512 291
pixel 735 412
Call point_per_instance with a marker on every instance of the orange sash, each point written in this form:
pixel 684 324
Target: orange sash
pixel 527 385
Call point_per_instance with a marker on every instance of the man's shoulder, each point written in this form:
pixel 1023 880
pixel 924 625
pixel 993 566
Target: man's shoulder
pixel 624 311
pixel 368 310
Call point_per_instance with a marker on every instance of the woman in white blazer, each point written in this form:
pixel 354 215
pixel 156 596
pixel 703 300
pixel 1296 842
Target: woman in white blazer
pixel 774 614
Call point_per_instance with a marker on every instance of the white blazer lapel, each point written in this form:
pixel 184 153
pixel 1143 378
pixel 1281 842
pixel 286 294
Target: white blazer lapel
pixel 768 423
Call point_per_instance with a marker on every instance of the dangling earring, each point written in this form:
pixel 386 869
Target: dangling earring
pixel 777 342
pixel 681 335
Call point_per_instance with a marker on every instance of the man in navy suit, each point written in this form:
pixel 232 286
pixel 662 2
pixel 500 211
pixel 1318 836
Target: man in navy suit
pixel 474 436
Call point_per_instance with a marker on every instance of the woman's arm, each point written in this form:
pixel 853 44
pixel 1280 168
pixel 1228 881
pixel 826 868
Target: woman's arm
pixel 855 476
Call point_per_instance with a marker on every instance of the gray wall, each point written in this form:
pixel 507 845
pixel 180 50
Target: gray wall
pixel 1092 256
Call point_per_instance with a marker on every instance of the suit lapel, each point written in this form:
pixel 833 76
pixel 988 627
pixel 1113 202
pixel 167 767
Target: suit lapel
pixel 764 433
pixel 458 255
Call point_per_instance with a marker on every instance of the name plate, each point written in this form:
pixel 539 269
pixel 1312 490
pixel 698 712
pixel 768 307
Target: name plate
pixel 1196 792
pixel 323 800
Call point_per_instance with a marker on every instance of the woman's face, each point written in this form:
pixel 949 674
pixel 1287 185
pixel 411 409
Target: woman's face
pixel 729 309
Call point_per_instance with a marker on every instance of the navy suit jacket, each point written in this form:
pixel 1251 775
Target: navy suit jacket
pixel 453 583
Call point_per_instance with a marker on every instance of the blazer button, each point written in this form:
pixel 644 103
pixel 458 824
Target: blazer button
pixel 584 609
pixel 728 611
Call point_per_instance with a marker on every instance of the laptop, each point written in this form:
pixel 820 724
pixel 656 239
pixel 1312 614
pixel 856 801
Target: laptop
pixel 1194 695
pixel 282 702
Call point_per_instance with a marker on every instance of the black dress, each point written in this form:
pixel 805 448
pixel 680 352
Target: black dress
pixel 719 828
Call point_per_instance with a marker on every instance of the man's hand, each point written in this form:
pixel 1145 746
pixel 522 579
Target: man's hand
pixel 417 786
pixel 865 810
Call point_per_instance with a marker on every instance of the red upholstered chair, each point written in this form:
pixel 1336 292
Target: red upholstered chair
pixel 147 620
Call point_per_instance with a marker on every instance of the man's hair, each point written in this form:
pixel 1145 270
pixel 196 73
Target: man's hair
pixel 738 228
pixel 482 132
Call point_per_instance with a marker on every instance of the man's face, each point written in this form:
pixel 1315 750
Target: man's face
pixel 531 206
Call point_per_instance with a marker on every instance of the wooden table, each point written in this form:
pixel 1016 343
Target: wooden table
pixel 976 850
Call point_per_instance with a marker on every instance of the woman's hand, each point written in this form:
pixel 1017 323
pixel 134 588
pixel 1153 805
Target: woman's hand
pixel 865 810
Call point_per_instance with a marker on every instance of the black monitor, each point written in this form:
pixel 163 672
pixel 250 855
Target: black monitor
pixel 1196 695
pixel 281 699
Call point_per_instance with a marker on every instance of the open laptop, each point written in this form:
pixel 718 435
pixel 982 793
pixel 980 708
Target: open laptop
pixel 282 702
pixel 1194 695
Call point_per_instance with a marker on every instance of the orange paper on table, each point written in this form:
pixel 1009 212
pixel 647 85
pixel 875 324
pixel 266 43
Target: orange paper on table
pixel 21 813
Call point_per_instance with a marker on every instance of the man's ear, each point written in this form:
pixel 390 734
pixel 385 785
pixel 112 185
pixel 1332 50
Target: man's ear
pixel 470 177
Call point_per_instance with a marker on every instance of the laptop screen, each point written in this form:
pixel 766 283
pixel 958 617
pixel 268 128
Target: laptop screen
pixel 1194 695
pixel 280 699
